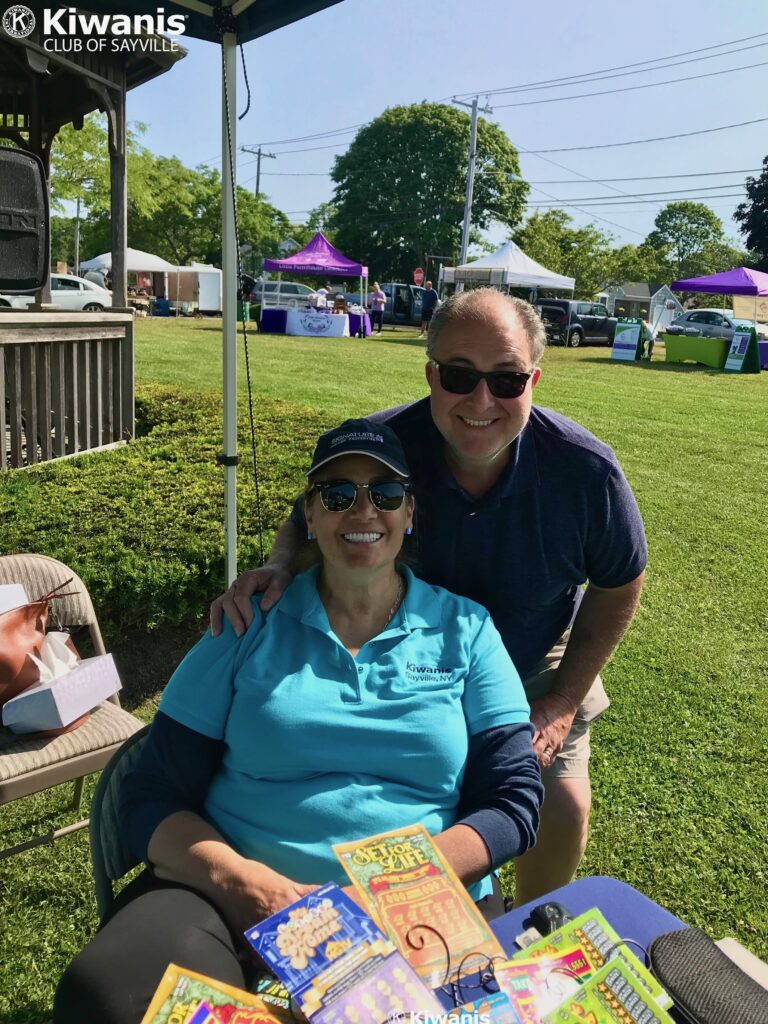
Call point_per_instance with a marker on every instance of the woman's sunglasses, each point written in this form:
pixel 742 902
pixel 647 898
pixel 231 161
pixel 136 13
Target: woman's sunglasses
pixel 340 495
pixel 461 380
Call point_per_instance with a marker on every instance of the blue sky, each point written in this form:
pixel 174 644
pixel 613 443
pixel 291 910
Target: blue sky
pixel 345 65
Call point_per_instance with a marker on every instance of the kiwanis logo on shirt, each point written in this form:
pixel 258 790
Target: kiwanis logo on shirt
pixel 418 673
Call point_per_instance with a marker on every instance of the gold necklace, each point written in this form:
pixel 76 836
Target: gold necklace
pixel 398 598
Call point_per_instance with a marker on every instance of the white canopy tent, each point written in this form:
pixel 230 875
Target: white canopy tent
pixel 508 266
pixel 136 262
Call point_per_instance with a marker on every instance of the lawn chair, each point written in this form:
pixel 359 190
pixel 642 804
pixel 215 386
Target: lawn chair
pixel 111 859
pixel 28 765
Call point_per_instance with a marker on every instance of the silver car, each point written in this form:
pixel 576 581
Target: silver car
pixel 71 294
pixel 706 323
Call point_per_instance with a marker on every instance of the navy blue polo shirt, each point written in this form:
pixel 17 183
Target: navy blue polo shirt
pixel 428 300
pixel 561 513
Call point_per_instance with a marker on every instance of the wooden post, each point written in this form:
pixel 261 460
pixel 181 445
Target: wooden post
pixel 118 194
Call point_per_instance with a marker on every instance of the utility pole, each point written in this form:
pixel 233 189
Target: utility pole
pixel 259 153
pixel 77 238
pixel 470 175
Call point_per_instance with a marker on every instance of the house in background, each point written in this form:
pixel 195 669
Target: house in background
pixel 653 302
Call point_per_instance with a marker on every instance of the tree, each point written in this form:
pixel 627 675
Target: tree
pixel 688 231
pixel 638 263
pixel 582 253
pixel 399 188
pixel 80 167
pixel 752 216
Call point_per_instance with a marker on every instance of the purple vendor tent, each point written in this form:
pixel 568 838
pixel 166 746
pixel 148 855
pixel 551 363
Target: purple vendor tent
pixel 739 281
pixel 318 257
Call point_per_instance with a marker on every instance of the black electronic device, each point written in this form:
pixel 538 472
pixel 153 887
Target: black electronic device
pixel 24 222
pixel 548 917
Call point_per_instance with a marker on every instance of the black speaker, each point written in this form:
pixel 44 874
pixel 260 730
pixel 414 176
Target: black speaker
pixel 24 221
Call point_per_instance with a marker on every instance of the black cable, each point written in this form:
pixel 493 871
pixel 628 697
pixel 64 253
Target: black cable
pixel 233 180
pixel 247 85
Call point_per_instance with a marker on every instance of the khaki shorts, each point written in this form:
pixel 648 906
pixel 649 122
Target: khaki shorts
pixel 573 760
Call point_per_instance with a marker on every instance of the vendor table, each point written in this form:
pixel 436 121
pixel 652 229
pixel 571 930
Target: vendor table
pixel 354 325
pixel 273 320
pixel 308 323
pixel 632 914
pixel 709 351
pixel 763 348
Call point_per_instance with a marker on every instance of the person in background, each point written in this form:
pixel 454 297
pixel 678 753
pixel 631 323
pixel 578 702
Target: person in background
pixel 365 701
pixel 518 508
pixel 95 276
pixel 428 305
pixel 648 339
pixel 377 300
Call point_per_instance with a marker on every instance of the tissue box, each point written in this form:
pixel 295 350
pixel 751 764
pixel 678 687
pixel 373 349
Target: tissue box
pixel 12 595
pixel 58 703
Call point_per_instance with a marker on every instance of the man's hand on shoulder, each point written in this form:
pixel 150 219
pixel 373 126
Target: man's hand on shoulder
pixel 236 602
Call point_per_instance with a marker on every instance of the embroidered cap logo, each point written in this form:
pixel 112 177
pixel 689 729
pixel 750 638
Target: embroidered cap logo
pixel 19 21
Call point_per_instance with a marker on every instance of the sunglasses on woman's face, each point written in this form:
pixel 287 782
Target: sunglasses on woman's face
pixel 340 495
pixel 461 380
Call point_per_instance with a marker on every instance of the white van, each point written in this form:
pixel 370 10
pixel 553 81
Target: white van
pixel 285 294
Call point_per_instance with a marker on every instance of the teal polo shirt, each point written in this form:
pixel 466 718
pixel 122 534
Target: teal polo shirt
pixel 323 747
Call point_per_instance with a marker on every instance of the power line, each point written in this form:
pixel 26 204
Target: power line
pixel 647 177
pixel 662 192
pixel 638 142
pixel 630 88
pixel 589 77
pixel 601 71
pixel 543 181
pixel 605 201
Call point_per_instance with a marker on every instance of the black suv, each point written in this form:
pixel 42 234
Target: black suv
pixel 571 322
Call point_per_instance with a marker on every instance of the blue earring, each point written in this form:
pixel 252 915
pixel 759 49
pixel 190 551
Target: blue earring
pixel 408 531
pixel 309 535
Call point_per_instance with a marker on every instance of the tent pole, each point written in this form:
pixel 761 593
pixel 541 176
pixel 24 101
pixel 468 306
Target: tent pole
pixel 229 311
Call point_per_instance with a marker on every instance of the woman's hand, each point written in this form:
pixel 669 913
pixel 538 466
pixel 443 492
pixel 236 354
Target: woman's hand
pixel 257 893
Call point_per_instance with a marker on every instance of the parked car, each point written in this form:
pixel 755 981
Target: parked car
pixel 403 302
pixel 282 293
pixel 707 323
pixel 571 322
pixel 72 294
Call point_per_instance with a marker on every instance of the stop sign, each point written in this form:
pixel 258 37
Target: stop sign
pixel 418 276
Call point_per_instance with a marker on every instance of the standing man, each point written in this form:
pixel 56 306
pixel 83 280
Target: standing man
pixel 428 306
pixel 518 508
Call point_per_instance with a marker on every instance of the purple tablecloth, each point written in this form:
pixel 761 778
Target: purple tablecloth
pixel 273 320
pixel 354 325
pixel 763 348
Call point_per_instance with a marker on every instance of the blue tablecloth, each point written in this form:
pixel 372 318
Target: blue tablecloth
pixel 633 915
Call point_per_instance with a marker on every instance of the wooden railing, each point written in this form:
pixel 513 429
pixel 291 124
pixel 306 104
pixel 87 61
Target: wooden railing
pixel 66 384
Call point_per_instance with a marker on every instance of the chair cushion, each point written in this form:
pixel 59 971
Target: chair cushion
pixel 107 726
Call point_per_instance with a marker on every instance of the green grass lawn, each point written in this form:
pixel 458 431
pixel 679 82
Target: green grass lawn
pixel 680 793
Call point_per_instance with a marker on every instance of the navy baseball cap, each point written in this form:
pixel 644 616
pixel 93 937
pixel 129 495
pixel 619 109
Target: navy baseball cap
pixel 361 437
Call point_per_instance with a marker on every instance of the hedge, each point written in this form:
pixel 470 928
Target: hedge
pixel 143 524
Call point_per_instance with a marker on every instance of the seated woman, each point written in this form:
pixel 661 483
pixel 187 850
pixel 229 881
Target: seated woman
pixel 364 701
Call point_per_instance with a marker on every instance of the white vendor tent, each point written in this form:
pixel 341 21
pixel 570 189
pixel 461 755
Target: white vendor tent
pixel 508 266
pixel 136 262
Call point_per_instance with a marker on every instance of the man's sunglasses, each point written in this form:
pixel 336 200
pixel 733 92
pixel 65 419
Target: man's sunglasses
pixel 461 380
pixel 340 495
